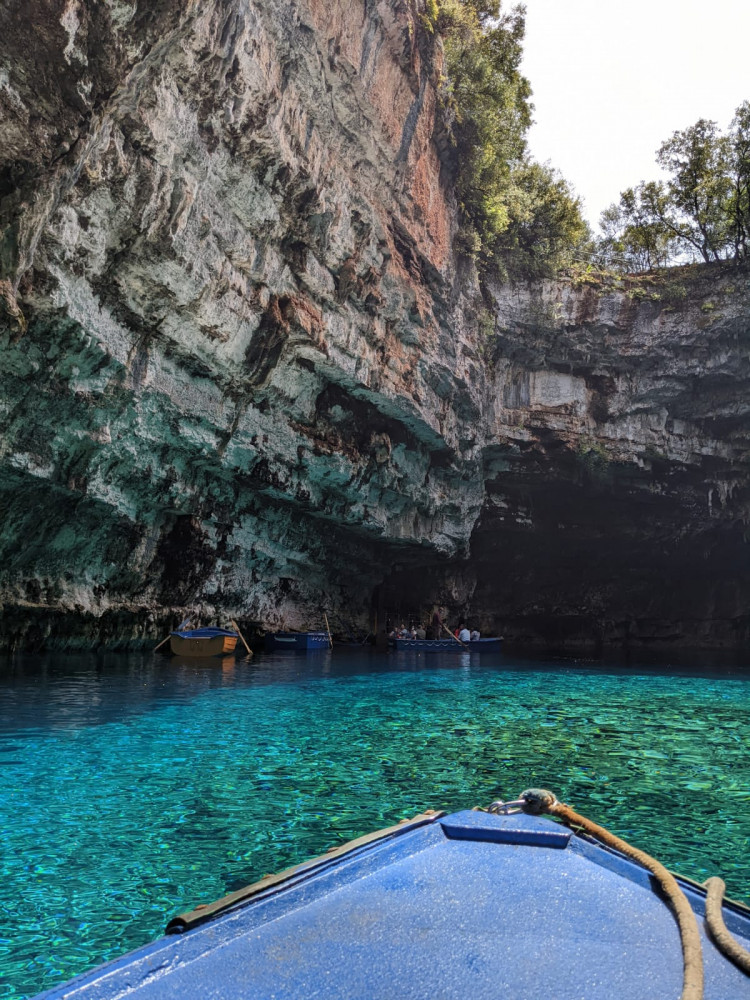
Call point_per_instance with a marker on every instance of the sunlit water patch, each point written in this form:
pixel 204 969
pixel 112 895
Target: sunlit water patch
pixel 132 789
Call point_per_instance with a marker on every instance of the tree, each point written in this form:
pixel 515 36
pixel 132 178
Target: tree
pixel 634 234
pixel 695 209
pixel 517 214
pixel 738 205
pixel 546 230
pixel 702 211
pixel 490 100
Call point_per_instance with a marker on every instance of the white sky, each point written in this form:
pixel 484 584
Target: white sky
pixel 612 80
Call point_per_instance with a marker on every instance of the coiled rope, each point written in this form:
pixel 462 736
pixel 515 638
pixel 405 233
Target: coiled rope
pixel 539 800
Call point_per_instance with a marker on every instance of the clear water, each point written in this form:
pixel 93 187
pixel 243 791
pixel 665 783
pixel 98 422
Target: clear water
pixel 132 788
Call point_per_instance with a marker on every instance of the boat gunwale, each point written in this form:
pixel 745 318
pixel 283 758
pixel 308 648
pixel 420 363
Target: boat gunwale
pixel 207 911
pixel 489 644
pixel 207 632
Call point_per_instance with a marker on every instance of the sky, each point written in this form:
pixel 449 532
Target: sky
pixel 613 80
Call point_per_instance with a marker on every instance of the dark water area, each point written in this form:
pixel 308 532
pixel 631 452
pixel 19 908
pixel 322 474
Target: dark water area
pixel 133 787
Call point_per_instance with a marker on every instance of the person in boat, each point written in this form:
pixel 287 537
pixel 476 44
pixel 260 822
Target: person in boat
pixel 475 635
pixel 421 633
pixel 403 632
pixel 464 635
pixel 437 624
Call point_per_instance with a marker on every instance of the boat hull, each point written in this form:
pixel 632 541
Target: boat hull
pixel 203 642
pixel 449 645
pixel 467 905
pixel 295 642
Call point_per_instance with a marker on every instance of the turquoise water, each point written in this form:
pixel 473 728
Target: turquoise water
pixel 133 788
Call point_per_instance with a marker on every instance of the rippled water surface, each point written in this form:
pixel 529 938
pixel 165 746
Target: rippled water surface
pixel 132 788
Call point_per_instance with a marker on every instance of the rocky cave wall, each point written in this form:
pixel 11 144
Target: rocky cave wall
pixel 615 465
pixel 245 373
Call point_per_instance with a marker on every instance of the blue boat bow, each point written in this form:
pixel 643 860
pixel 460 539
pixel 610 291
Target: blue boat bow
pixel 467 905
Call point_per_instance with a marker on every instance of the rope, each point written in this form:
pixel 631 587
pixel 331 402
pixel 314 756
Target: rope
pixel 718 929
pixel 539 800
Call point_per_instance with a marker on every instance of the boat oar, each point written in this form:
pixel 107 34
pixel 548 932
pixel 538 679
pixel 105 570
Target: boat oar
pixel 454 636
pixel 235 626
pixel 328 630
pixel 179 628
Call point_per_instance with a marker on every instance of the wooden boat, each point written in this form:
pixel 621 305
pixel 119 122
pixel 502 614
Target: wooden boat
pixel 295 642
pixel 447 645
pixel 203 642
pixel 468 905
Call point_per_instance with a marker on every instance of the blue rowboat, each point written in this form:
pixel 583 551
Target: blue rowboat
pixel 295 642
pixel 203 642
pixel 468 905
pixel 449 645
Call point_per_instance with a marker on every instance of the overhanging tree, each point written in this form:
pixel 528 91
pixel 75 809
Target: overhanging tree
pixel 519 217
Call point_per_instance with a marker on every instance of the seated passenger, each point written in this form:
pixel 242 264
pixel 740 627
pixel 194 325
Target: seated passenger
pixel 475 635
pixel 463 634
pixel 421 632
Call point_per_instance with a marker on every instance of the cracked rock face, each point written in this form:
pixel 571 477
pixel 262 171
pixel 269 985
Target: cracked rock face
pixel 230 313
pixel 244 371
pixel 616 465
pixel 664 446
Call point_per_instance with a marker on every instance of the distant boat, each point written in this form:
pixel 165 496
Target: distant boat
pixel 295 642
pixel 449 645
pixel 203 642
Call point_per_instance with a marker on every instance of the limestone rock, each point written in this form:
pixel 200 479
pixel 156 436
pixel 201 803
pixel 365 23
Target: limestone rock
pixel 245 372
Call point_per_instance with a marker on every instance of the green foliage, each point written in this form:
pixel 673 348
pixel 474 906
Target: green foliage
pixel 486 320
pixel 594 460
pixel 431 14
pixel 545 230
pixel 701 212
pixel 738 205
pixel 693 204
pixel 674 293
pixel 489 98
pixel 518 216
pixel 633 234
pixel 639 294
pixel 468 241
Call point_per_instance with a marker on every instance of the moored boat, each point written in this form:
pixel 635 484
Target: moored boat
pixel 208 641
pixel 295 642
pixel 449 645
pixel 472 904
